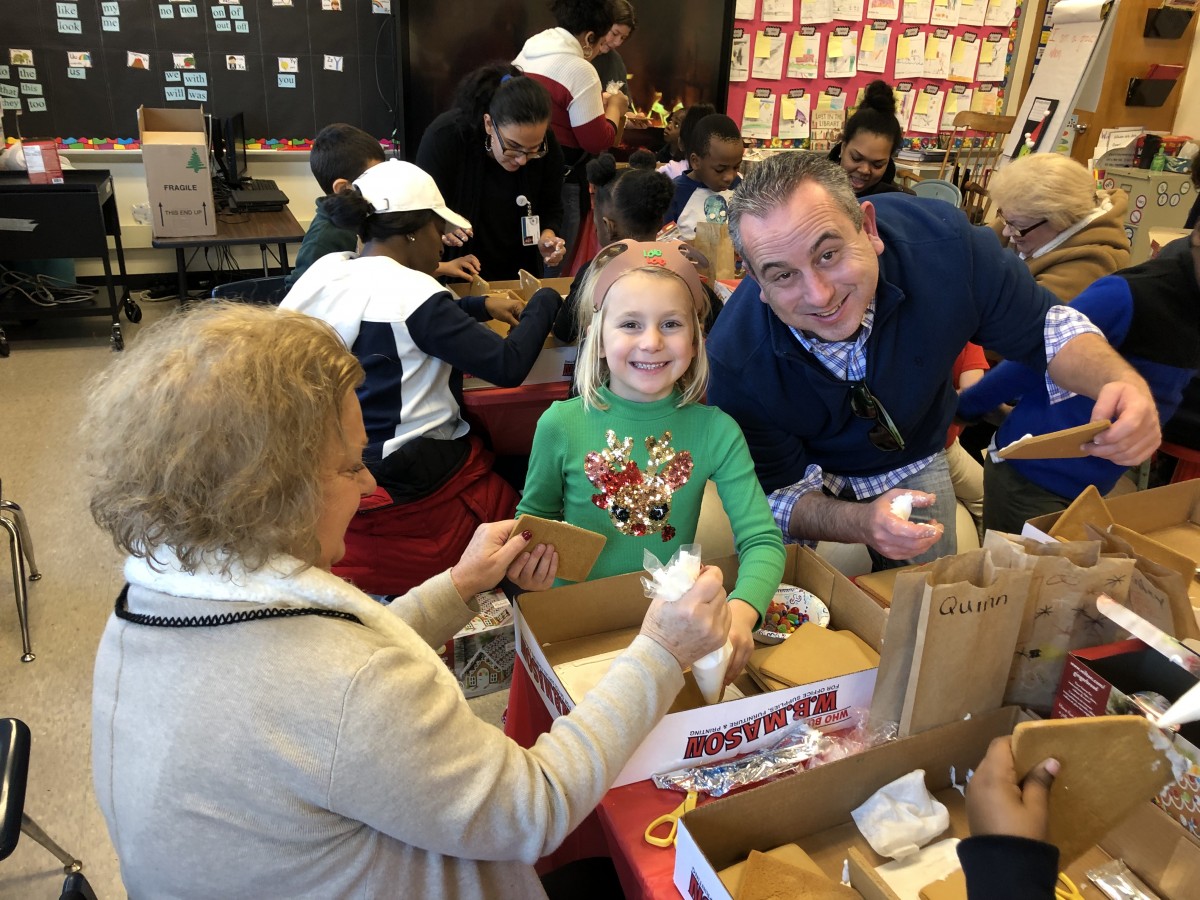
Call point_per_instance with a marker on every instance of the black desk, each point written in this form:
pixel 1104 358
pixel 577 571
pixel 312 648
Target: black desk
pixel 57 221
pixel 261 228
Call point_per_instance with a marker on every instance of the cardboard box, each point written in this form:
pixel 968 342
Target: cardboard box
pixel 178 177
pixel 482 654
pixel 582 620
pixel 1155 199
pixel 556 362
pixel 1098 681
pixel 1162 524
pixel 42 162
pixel 812 809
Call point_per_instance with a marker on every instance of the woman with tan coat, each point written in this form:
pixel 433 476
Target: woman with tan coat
pixel 1068 232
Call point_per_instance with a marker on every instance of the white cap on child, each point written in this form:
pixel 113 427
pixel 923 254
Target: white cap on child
pixel 398 186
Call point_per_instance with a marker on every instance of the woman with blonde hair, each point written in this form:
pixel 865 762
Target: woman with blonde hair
pixel 261 728
pixel 1050 212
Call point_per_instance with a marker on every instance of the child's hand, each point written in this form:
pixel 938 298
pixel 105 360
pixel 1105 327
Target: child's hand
pixel 741 636
pixel 535 569
pixel 457 237
pixel 998 804
pixel 464 268
pixel 504 307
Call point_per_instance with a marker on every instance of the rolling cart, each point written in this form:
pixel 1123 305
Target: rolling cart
pixel 69 220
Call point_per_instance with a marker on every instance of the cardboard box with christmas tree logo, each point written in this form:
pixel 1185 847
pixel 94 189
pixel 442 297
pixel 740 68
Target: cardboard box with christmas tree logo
pixel 178 173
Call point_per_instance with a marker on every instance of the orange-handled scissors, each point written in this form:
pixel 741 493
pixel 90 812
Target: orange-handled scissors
pixel 671 820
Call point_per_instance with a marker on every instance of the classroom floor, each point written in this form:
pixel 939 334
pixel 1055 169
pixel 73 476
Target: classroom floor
pixel 42 395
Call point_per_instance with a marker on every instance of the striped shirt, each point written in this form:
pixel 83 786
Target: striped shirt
pixel 847 361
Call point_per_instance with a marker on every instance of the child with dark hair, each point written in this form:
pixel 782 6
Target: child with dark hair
pixel 341 153
pixel 688 119
pixel 714 151
pixel 671 150
pixel 414 340
pixel 627 204
pixel 512 190
pixel 870 141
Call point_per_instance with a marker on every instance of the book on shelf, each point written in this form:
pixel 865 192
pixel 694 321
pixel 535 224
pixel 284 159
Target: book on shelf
pixel 931 154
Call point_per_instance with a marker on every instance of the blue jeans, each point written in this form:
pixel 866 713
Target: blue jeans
pixel 933 479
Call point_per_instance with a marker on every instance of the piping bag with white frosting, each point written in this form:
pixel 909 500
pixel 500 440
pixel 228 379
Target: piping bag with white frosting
pixel 672 581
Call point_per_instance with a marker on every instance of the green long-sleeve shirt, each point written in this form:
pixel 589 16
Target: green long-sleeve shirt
pixel 572 478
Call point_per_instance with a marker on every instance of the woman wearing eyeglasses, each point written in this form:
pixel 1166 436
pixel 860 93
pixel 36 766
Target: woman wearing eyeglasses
pixel 1069 233
pixel 496 161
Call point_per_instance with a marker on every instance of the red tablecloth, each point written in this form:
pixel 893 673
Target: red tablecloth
pixel 646 871
pixel 618 825
pixel 526 719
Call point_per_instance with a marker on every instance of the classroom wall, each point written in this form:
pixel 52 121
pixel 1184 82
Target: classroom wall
pixel 1187 120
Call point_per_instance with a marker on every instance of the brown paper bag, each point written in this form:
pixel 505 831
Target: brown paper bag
pixel 899 637
pixel 1157 592
pixel 1061 616
pixel 971 613
pixel 712 239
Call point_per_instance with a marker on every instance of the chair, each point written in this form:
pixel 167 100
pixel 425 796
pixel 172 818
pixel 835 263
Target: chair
pixel 20 548
pixel 938 190
pixel 906 178
pixel 975 158
pixel 252 290
pixel 14 769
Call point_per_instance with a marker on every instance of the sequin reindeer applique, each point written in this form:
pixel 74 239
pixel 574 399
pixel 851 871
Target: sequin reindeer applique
pixel 639 503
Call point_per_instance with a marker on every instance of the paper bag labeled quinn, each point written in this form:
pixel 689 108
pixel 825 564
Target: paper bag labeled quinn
pixel 1107 766
pixel 970 616
pixel 578 549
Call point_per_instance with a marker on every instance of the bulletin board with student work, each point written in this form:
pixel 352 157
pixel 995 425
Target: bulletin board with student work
pixel 79 70
pixel 799 67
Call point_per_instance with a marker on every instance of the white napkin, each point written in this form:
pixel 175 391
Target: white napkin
pixel 901 817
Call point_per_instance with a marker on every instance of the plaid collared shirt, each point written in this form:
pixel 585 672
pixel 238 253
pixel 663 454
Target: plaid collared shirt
pixel 847 360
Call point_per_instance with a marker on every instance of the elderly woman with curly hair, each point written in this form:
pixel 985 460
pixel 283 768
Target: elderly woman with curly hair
pixel 261 728
pixel 1050 212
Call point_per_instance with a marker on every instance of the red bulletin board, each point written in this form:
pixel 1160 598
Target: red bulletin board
pixel 849 86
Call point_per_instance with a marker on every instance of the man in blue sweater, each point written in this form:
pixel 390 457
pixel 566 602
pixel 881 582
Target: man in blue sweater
pixel 1149 313
pixel 841 376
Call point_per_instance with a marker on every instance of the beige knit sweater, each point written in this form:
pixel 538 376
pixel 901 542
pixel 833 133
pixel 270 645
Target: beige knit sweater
pixel 315 757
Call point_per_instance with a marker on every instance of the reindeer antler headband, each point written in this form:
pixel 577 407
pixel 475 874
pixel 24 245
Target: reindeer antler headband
pixel 625 256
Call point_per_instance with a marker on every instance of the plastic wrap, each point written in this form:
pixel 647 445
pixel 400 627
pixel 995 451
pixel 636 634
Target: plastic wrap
pixel 1117 882
pixel 670 582
pixel 800 747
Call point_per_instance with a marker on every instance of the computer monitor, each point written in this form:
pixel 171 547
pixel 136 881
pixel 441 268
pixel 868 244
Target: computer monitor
pixel 232 155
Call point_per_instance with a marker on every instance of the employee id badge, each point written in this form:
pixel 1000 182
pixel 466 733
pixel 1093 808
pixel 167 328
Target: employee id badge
pixel 531 230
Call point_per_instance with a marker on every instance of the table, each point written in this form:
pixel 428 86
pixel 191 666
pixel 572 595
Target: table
pixel 262 228
pixel 56 221
pixel 616 828
pixel 509 416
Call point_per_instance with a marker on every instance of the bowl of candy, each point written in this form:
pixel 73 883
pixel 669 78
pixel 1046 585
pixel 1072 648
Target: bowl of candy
pixel 791 608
